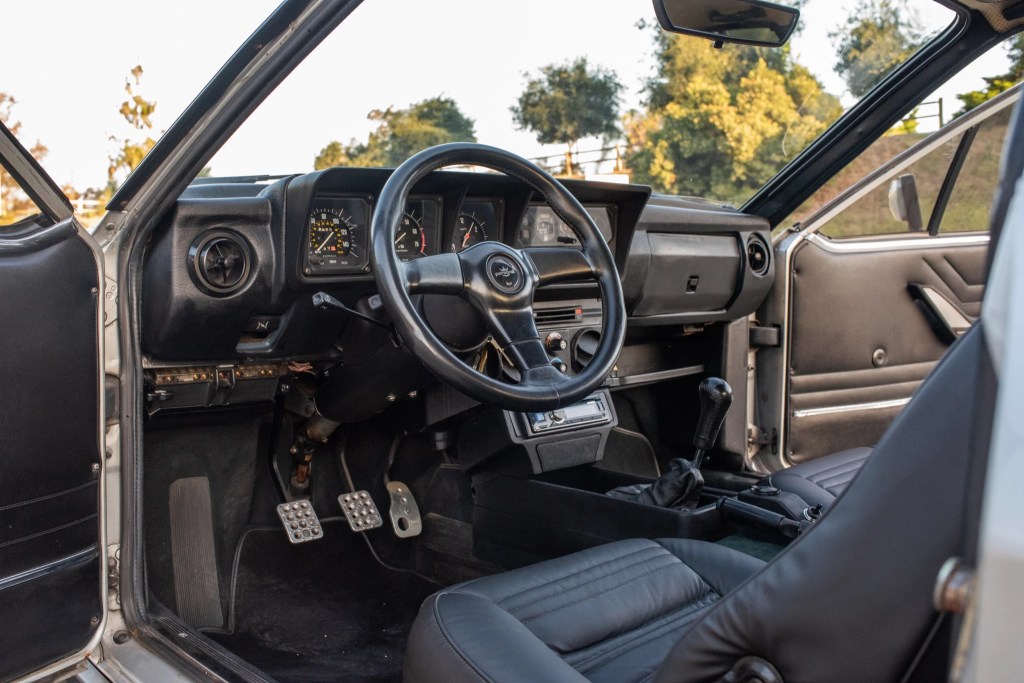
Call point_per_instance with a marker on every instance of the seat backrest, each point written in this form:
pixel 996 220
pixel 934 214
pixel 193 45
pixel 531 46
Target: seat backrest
pixel 851 600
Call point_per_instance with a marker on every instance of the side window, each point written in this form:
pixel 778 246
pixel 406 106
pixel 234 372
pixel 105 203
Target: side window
pixel 15 205
pixel 970 200
pixel 952 186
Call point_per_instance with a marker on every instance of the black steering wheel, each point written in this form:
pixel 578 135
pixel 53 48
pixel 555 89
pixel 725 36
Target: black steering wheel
pixel 499 282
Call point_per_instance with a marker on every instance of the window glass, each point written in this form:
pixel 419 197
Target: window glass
pixel 15 205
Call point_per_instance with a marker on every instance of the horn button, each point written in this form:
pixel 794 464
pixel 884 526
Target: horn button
pixel 505 274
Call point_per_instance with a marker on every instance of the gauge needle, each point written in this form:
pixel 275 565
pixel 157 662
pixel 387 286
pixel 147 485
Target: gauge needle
pixel 321 247
pixel 466 238
pixel 398 239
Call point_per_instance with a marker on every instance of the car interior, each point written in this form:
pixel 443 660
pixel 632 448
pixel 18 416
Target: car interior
pixel 452 425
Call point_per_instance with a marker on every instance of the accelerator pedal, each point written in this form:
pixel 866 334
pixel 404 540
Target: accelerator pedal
pixel 300 521
pixel 360 510
pixel 405 513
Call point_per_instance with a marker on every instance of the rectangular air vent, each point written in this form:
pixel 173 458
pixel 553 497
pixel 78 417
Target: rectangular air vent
pixel 561 314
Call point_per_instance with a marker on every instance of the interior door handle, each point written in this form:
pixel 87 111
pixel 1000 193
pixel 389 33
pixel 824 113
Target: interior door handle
pixel 944 317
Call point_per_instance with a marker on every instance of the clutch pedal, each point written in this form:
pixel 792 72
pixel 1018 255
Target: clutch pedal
pixel 360 510
pixel 300 521
pixel 405 513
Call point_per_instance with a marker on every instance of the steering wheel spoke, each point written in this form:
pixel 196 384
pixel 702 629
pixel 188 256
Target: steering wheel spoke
pixel 438 274
pixel 560 264
pixel 517 336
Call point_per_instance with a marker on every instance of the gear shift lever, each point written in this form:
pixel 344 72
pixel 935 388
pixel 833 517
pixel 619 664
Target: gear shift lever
pixel 681 485
pixel 715 400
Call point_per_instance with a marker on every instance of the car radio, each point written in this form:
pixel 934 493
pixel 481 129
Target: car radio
pixel 591 411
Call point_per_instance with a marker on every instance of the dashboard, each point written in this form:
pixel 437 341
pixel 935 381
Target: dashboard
pixel 231 271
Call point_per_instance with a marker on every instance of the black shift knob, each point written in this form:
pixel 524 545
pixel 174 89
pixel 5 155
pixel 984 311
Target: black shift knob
pixel 715 399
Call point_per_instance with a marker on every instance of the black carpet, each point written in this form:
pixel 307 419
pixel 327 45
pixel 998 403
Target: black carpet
pixel 321 611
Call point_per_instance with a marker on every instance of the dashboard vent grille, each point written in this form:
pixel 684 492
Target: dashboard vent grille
pixel 563 314
pixel 220 262
pixel 758 256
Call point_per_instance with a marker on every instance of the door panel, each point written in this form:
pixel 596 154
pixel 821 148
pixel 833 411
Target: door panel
pixel 50 554
pixel 860 344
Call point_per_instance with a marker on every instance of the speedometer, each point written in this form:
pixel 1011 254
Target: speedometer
pixel 330 233
pixel 336 236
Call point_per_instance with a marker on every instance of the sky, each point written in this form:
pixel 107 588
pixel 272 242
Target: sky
pixel 68 76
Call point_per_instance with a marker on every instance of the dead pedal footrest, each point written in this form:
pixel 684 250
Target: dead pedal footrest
pixel 300 521
pixel 360 510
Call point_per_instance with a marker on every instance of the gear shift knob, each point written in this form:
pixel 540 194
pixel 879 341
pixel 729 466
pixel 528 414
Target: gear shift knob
pixel 715 399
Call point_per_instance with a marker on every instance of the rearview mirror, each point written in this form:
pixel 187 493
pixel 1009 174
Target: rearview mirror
pixel 749 22
pixel 904 202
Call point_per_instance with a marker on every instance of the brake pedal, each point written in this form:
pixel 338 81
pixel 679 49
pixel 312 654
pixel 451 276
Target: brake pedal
pixel 405 513
pixel 300 521
pixel 360 510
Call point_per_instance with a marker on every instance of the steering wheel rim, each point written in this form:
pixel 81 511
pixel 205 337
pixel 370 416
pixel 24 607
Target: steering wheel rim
pixel 499 281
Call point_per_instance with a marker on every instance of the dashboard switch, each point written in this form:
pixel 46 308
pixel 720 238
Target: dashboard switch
pixel 559 364
pixel 555 343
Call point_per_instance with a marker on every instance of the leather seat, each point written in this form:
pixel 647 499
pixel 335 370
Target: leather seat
pixel 848 601
pixel 820 481
pixel 609 613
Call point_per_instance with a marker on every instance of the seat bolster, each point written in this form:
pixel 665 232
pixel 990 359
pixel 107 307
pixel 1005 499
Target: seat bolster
pixel 465 638
pixel 822 480
pixel 721 568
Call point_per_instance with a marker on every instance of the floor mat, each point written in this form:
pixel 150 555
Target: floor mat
pixel 322 611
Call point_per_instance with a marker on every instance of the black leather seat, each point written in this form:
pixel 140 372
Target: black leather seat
pixel 849 601
pixel 820 481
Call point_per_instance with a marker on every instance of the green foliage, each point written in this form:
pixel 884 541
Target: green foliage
pixel 718 123
pixel 400 134
pixel 14 204
pixel 568 102
pixel 878 36
pixel 997 84
pixel 137 112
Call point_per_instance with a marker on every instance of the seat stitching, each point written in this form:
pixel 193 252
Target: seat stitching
pixel 841 477
pixel 535 586
pixel 451 644
pixel 669 621
pixel 600 593
pixel 844 467
pixel 620 570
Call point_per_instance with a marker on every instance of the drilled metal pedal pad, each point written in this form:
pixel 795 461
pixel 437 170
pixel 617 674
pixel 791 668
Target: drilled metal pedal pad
pixel 360 510
pixel 405 513
pixel 300 521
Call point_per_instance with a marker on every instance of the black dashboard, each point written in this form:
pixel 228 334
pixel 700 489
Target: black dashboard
pixel 230 273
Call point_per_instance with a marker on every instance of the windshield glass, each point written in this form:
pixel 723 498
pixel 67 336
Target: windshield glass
pixel 599 94
pixel 586 88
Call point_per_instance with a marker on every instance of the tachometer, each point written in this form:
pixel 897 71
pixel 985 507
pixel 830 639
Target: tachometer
pixel 469 230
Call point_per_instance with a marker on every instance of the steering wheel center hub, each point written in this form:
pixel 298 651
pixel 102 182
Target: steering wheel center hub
pixel 505 274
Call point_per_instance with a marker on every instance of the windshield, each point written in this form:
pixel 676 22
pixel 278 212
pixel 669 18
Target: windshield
pixel 587 89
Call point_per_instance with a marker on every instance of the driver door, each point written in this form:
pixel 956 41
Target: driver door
pixel 51 542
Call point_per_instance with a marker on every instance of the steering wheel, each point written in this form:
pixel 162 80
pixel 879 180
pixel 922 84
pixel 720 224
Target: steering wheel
pixel 499 282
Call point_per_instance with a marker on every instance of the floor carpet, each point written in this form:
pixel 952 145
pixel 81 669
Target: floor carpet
pixel 320 611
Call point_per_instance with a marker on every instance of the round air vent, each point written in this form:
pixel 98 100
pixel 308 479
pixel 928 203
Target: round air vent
pixel 584 347
pixel 758 256
pixel 220 262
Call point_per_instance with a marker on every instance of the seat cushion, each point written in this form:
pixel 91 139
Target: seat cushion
pixel 820 481
pixel 609 613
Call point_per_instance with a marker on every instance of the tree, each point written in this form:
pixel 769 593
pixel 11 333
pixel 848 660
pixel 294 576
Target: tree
pixel 717 123
pixel 400 134
pixel 569 102
pixel 878 36
pixel 12 200
pixel 997 84
pixel 137 112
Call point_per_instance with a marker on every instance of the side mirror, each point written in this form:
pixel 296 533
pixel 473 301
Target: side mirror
pixel 749 22
pixel 904 203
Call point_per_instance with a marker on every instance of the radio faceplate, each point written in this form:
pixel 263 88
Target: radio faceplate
pixel 591 411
